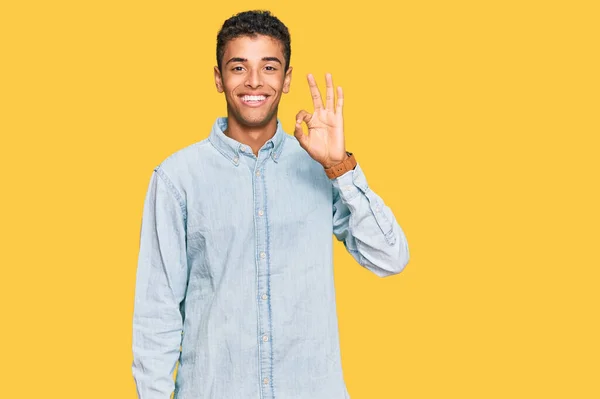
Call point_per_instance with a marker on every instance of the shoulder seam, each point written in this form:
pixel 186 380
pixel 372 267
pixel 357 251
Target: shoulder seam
pixel 161 173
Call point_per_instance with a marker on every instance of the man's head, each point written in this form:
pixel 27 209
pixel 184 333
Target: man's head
pixel 253 23
pixel 253 55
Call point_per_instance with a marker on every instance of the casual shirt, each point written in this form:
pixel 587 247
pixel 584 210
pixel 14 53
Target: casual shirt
pixel 235 273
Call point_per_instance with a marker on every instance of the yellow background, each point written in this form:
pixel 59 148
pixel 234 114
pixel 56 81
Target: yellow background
pixel 477 122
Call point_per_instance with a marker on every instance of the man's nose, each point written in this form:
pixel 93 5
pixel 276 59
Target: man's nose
pixel 254 79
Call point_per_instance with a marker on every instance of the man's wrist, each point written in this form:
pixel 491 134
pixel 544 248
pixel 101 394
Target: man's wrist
pixel 329 164
pixel 338 169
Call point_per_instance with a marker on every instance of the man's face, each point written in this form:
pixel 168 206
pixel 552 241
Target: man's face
pixel 253 78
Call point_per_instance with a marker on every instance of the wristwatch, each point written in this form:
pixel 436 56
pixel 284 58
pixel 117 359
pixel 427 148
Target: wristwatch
pixel 339 169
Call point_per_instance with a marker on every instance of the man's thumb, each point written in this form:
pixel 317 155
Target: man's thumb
pixel 302 116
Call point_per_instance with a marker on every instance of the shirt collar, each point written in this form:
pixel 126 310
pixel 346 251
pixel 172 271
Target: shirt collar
pixel 231 148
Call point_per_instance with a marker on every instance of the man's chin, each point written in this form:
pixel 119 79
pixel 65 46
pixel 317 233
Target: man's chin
pixel 255 121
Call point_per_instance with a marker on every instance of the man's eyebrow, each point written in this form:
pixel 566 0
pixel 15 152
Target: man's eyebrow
pixel 236 59
pixel 272 59
pixel 239 59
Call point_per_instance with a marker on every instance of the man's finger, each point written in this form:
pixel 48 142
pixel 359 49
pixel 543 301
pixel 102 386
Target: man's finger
pixel 314 92
pixel 340 100
pixel 302 116
pixel 329 92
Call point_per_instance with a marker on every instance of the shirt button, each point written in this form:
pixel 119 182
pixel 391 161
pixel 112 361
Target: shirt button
pixel 243 149
pixel 265 381
pixel 236 159
pixel 264 296
pixel 258 173
pixel 260 213
pixel 265 338
pixel 263 255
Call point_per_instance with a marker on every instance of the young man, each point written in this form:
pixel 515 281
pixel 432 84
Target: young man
pixel 235 275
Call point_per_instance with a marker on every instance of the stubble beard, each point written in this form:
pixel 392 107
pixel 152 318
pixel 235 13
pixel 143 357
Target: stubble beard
pixel 249 121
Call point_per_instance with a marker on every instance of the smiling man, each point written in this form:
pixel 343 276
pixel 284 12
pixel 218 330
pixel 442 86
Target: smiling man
pixel 235 274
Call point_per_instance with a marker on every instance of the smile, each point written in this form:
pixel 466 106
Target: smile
pixel 253 101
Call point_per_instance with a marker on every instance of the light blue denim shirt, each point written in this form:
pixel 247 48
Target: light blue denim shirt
pixel 235 271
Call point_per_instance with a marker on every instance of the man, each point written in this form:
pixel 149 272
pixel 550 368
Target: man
pixel 235 276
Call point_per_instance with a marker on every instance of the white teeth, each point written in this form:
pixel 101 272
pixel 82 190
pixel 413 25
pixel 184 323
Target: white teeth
pixel 253 98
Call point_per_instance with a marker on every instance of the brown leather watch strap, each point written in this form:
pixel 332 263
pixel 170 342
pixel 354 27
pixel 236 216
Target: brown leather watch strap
pixel 346 165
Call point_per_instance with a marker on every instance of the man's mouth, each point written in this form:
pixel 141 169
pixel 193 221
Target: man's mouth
pixel 253 100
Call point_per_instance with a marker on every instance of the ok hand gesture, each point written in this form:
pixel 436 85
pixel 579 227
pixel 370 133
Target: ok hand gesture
pixel 325 139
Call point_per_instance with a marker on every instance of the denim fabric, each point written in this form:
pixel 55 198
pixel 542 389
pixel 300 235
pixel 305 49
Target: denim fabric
pixel 235 271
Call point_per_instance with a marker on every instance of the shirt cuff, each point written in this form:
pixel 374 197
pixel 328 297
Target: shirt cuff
pixel 351 183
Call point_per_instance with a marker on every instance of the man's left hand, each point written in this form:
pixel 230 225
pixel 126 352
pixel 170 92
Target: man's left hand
pixel 325 139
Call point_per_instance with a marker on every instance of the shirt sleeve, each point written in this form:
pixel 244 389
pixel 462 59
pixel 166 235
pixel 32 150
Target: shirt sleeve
pixel 161 282
pixel 367 226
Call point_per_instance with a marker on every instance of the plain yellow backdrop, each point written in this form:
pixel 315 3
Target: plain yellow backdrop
pixel 477 122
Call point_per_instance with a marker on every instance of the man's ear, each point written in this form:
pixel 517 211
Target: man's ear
pixel 287 80
pixel 218 80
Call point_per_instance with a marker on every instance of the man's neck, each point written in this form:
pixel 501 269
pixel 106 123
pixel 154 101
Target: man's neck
pixel 254 137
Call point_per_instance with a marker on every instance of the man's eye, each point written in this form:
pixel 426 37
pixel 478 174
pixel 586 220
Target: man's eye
pixel 270 68
pixel 238 68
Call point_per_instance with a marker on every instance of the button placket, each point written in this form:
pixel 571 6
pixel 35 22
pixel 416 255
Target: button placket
pixel 263 276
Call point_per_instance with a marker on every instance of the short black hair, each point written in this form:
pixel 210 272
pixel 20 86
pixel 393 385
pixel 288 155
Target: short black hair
pixel 253 23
